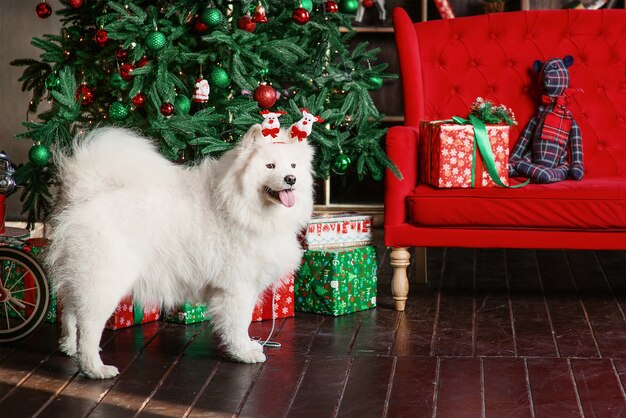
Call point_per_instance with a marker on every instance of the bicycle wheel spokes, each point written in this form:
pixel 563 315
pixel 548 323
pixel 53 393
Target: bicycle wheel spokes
pixel 23 290
pixel 23 296
pixel 16 311
pixel 18 281
pixel 19 302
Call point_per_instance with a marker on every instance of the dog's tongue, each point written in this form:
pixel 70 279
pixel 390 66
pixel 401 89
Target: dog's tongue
pixel 287 198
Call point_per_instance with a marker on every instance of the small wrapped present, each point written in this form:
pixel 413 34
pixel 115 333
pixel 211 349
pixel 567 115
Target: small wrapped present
pixel 283 301
pixel 130 312
pixel 348 229
pixel 449 159
pixel 187 313
pixel 337 282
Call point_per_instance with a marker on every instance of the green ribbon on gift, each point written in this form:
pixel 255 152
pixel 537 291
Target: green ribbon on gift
pixel 481 141
pixel 137 312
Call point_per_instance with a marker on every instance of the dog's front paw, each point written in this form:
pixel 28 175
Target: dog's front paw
pixel 68 346
pixel 250 353
pixel 101 372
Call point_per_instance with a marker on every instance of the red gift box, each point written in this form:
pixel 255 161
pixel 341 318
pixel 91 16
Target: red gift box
pixel 446 154
pixel 283 302
pixel 129 313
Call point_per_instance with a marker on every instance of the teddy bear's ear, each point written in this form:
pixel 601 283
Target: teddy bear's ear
pixel 568 60
pixel 537 65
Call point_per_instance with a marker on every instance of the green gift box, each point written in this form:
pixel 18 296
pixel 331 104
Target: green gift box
pixel 187 313
pixel 337 282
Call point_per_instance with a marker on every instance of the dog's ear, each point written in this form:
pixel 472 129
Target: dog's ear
pixel 253 134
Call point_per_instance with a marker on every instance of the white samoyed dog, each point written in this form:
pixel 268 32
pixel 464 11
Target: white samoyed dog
pixel 129 221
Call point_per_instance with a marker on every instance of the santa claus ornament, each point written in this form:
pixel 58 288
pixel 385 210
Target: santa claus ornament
pixel 303 127
pixel 270 126
pixel 201 94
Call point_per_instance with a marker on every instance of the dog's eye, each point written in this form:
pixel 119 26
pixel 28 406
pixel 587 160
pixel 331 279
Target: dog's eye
pixel 271 166
pixel 293 165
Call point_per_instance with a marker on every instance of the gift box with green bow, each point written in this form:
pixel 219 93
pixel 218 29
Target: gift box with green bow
pixel 470 152
pixel 187 313
pixel 337 282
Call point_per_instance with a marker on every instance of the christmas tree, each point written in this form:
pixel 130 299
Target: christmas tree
pixel 195 75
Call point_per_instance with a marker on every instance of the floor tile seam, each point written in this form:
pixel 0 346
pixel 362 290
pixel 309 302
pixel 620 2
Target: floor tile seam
pixel 510 303
pixel 546 305
pixel 608 283
pixel 128 366
pixel 392 376
pixel 576 391
pixel 171 368
pixel 582 304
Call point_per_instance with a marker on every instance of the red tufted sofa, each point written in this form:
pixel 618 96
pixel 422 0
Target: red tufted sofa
pixel 445 65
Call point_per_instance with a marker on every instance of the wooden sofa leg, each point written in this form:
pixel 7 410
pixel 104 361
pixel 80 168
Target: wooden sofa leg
pixel 421 269
pixel 400 260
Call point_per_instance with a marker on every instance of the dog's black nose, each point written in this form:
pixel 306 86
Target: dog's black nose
pixel 290 180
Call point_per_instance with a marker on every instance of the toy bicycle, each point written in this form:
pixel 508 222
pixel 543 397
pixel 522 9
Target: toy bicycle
pixel 24 291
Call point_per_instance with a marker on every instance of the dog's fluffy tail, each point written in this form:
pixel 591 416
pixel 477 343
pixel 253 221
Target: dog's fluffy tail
pixel 108 159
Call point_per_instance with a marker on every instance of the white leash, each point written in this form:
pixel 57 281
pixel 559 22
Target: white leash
pixel 267 342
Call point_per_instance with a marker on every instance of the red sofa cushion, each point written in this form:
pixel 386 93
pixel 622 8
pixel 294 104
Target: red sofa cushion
pixel 596 203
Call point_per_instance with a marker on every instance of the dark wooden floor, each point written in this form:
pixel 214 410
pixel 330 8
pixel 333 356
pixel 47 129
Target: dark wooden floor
pixel 496 333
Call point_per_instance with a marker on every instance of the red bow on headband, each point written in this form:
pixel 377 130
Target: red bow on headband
pixel 270 131
pixel 296 132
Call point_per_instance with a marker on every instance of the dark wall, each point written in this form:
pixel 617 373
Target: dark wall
pixel 18 25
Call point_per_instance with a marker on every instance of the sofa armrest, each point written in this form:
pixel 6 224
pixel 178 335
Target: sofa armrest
pixel 402 146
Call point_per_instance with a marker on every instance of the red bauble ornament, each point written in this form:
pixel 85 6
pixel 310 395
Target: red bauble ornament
pixel 85 94
pixel 138 100
pixel 125 71
pixel 167 109
pixel 367 3
pixel 265 95
pixel 121 54
pixel 75 4
pixel 246 23
pixel 300 16
pixel 101 37
pixel 199 26
pixel 43 10
pixel 331 6
pixel 142 62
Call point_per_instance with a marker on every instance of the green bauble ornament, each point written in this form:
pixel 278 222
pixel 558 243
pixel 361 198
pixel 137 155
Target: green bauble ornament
pixel 212 17
pixel 118 111
pixel 117 82
pixel 349 6
pixel 307 4
pixel 52 81
pixel 39 155
pixel 156 40
pixel 375 82
pixel 182 105
pixel 220 78
pixel 263 72
pixel 341 164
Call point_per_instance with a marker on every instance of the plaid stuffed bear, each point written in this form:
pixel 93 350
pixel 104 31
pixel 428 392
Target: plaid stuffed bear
pixel 541 152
